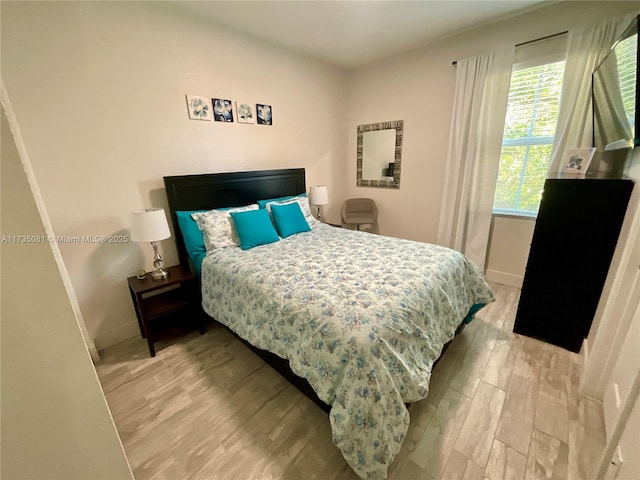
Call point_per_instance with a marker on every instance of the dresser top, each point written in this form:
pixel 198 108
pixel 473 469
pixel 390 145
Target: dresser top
pixel 587 176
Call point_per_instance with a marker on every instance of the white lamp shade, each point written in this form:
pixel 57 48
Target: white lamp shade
pixel 149 225
pixel 318 195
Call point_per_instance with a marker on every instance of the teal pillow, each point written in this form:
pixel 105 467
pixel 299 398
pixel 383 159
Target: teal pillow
pixel 289 219
pixel 263 203
pixel 193 241
pixel 254 228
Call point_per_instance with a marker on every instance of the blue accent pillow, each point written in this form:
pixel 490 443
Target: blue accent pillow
pixel 289 219
pixel 263 203
pixel 254 228
pixel 193 241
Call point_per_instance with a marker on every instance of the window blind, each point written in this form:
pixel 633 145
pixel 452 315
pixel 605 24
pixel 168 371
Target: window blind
pixel 532 115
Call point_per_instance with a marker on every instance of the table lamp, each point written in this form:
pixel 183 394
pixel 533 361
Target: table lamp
pixel 318 195
pixel 150 225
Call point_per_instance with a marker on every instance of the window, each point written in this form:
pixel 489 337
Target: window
pixel 530 125
pixel 626 60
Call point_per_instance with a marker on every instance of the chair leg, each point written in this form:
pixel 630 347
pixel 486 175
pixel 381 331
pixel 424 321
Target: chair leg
pixel 357 226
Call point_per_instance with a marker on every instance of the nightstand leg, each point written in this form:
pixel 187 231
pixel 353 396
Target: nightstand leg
pixel 147 334
pixel 136 307
pixel 152 350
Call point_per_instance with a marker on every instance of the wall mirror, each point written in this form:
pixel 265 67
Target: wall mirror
pixel 379 154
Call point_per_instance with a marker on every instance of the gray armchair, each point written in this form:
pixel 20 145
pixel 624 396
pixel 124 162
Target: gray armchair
pixel 359 211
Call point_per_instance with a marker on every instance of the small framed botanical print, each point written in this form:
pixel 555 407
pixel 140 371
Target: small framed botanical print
pixel 577 160
pixel 265 114
pixel 245 112
pixel 222 110
pixel 199 108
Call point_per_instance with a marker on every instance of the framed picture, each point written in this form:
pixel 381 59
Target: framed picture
pixel 577 160
pixel 265 114
pixel 245 112
pixel 222 110
pixel 199 108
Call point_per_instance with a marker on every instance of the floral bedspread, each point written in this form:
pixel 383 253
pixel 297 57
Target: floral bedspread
pixel 361 316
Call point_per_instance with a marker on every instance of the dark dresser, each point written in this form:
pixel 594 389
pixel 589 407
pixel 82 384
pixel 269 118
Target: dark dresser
pixel 576 232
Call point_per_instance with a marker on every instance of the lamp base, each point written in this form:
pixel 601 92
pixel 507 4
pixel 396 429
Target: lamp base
pixel 159 274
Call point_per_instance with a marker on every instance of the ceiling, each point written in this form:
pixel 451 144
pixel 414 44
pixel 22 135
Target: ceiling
pixel 349 34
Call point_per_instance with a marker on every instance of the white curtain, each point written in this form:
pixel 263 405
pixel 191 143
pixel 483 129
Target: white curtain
pixel 479 110
pixel 586 48
pixel 609 114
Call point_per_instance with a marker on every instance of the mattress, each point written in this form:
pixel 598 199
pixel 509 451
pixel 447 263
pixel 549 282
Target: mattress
pixel 362 317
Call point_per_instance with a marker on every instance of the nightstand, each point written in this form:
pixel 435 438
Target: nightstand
pixel 157 299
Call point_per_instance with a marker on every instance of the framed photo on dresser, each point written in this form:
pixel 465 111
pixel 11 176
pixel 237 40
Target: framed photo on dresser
pixel 577 160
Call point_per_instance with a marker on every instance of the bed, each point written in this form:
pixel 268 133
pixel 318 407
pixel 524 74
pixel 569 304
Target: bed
pixel 359 318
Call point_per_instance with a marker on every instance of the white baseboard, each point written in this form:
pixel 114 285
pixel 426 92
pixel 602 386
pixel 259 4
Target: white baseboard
pixel 93 351
pixel 117 335
pixel 504 278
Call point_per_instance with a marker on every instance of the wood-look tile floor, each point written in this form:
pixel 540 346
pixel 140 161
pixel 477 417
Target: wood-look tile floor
pixel 501 406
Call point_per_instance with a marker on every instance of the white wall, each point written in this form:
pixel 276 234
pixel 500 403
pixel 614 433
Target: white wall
pixel 418 87
pixel 629 445
pixel 509 249
pixel 98 89
pixel 55 420
pixel 620 391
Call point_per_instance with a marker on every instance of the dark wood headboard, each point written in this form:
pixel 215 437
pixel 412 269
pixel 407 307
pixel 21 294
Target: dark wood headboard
pixel 218 190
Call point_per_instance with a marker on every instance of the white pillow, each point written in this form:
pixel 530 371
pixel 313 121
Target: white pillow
pixel 304 206
pixel 217 227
